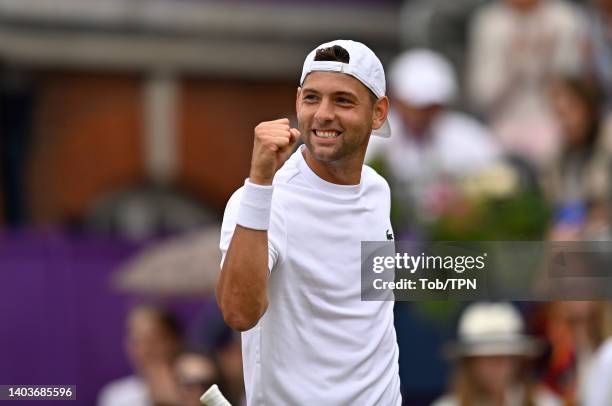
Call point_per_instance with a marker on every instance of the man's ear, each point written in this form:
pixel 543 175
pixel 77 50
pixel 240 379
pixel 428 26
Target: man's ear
pixel 297 99
pixel 380 112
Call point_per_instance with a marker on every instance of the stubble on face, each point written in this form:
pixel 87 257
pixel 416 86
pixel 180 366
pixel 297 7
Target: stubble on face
pixel 339 103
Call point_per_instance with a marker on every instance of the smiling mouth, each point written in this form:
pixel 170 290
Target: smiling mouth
pixel 326 133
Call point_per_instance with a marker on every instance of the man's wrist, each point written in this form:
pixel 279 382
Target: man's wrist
pixel 255 206
pixel 259 180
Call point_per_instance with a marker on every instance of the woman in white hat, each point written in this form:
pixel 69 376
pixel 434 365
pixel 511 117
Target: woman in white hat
pixel 491 355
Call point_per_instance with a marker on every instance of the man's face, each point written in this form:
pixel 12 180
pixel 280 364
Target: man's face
pixel 417 119
pixel 148 342
pixel 336 114
pixel 494 374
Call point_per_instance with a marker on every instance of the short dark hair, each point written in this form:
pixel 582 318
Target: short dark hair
pixel 167 319
pixel 591 97
pixel 335 53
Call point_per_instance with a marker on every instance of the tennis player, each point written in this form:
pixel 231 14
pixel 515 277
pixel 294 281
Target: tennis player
pixel 291 244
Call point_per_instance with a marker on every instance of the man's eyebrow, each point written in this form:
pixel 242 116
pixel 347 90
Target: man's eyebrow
pixel 346 94
pixel 338 93
pixel 309 90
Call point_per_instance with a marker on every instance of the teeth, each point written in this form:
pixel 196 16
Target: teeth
pixel 327 134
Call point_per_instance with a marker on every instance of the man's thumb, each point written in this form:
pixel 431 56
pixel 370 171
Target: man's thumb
pixel 295 136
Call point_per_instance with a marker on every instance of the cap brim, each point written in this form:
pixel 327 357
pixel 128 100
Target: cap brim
pixel 384 130
pixel 525 347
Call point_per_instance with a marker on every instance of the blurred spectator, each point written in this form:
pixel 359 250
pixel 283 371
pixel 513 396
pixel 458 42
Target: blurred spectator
pixel 196 372
pixel 515 46
pixel 576 330
pixel 152 344
pixel 429 142
pixel 599 53
pixel 580 178
pixel 492 353
pixel 229 357
pixel 599 387
pixel 440 25
pixel 209 334
pixel 147 211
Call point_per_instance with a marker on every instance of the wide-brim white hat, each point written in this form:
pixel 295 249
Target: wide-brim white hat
pixel 491 329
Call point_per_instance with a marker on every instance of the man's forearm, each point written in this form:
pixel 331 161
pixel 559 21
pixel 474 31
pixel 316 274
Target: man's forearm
pixel 242 287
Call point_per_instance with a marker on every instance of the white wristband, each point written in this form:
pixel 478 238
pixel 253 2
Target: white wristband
pixel 255 206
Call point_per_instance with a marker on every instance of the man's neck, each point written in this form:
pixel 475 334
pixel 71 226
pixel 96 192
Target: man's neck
pixel 341 173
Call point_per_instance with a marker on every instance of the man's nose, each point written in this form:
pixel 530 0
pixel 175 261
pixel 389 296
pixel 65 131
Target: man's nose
pixel 325 111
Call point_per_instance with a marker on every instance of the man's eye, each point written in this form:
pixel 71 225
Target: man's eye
pixel 310 97
pixel 342 100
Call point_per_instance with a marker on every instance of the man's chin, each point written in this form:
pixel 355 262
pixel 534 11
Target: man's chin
pixel 323 154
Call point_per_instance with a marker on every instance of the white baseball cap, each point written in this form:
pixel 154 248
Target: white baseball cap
pixel 422 78
pixel 363 65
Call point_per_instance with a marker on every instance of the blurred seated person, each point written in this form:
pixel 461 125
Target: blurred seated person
pixel 576 330
pixel 491 355
pixel 195 372
pixel 598 388
pixel 430 142
pixel 579 179
pixel 515 46
pixel 209 334
pixel 599 55
pixel 152 344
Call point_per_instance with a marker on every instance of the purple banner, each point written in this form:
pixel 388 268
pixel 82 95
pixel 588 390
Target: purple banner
pixel 60 321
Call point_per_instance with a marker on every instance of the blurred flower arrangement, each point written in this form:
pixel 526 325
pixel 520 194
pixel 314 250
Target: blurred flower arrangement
pixel 493 205
pixel 496 203
pixel 500 203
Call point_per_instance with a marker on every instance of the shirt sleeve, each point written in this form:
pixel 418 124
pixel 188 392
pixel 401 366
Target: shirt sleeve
pixel 276 232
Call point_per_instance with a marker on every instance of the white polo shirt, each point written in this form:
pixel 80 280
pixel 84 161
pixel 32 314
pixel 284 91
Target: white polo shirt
pixel 318 343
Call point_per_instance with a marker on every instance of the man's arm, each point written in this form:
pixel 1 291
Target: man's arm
pixel 241 290
pixel 242 287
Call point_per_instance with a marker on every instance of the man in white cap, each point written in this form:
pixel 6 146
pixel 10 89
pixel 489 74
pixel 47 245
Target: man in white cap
pixel 431 141
pixel 291 243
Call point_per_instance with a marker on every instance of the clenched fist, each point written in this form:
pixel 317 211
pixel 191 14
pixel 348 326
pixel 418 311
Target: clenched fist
pixel 274 141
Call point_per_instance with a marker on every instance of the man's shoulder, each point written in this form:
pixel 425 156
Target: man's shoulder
pixel 289 170
pixel 371 178
pixel 234 199
pixel 465 141
pixel 282 177
pixel 458 124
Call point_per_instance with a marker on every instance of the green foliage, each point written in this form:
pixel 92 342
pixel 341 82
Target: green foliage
pixel 492 206
pixel 522 216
